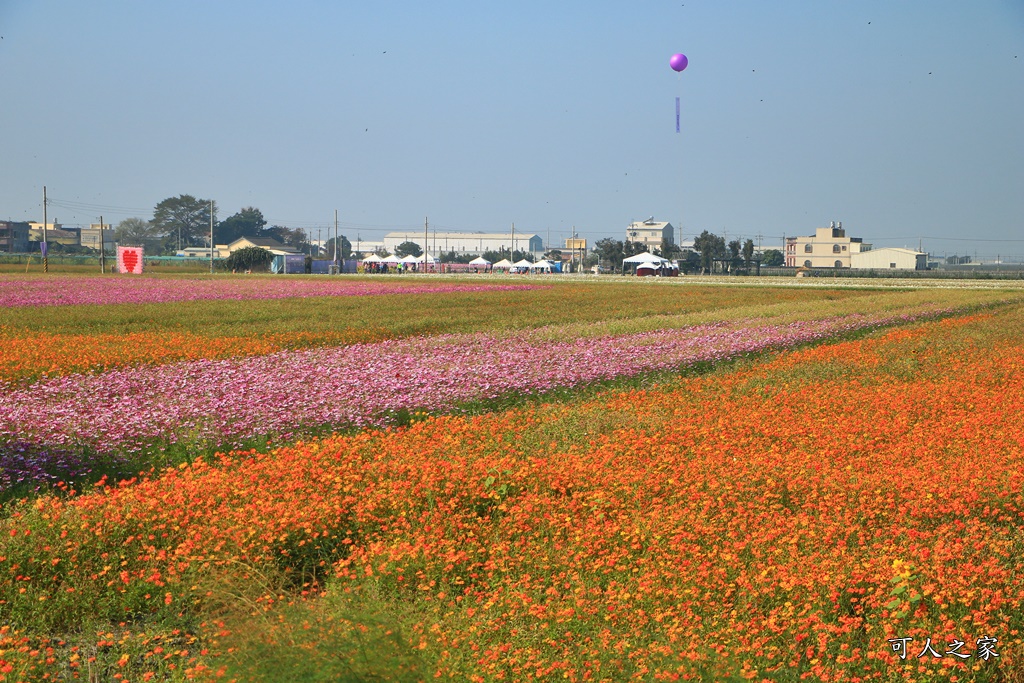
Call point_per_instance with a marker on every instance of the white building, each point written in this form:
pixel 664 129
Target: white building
pixel 891 258
pixel 651 233
pixel 439 242
pixel 828 248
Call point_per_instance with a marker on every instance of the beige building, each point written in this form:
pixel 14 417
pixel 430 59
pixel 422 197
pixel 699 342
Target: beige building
pixel 650 233
pixel 828 248
pixel 55 233
pixel 270 244
pixel 891 258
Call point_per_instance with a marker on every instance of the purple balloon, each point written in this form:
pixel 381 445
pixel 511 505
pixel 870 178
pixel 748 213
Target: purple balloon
pixel 678 62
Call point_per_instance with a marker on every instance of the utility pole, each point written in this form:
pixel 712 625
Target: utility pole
pixel 103 260
pixel 513 255
pixel 46 261
pixel 337 257
pixel 426 236
pixel 211 237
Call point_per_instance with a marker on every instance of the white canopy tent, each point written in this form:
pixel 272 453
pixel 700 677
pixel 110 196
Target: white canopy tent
pixel 503 264
pixel 480 261
pixel 645 257
pixel 372 258
pixel 542 265
pixel 391 260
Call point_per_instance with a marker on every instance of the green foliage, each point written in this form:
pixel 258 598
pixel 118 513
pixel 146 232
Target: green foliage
pixel 748 252
pixel 248 259
pixel 455 257
pixel 773 258
pixel 248 222
pixel 408 248
pixel 710 247
pixel 346 248
pixel 184 219
pixel 134 232
pixel 611 251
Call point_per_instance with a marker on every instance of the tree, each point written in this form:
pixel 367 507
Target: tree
pixel 249 258
pixel 633 248
pixel 292 237
pixel 248 222
pixel 710 247
pixel 133 231
pixel 669 249
pixel 610 250
pixel 184 217
pixel 346 248
pixel 408 249
pixel 495 256
pixel 553 255
pixel 773 257
pixel 456 257
pixel 748 252
pixel 689 262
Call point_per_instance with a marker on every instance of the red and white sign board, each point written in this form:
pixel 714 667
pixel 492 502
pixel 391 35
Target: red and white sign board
pixel 129 260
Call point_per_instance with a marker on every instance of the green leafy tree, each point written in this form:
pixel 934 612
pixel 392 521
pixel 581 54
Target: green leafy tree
pixel 554 255
pixel 633 248
pixel 773 258
pixel 346 248
pixel 248 222
pixel 456 257
pixel 408 249
pixel 134 231
pixel 689 262
pixel 495 256
pixel 184 219
pixel 710 247
pixel 249 258
pixel 748 252
pixel 611 251
pixel 520 255
pixel 669 250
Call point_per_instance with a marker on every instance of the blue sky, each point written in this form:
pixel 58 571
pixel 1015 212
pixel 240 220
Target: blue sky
pixel 902 120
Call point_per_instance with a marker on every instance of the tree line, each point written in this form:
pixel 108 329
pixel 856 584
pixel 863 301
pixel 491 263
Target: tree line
pixel 184 221
pixel 710 254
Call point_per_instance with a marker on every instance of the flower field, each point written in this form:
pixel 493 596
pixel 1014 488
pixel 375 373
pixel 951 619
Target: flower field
pixel 63 290
pixel 842 484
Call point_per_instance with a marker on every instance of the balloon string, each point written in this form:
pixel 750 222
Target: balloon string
pixel 677 114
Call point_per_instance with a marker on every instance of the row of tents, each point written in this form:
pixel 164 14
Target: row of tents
pixel 645 264
pixel 521 266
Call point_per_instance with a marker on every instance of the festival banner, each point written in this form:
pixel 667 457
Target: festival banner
pixel 129 260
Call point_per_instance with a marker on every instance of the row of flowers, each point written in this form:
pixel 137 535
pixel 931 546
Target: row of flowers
pixel 786 519
pixel 25 357
pixel 69 290
pixel 227 401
